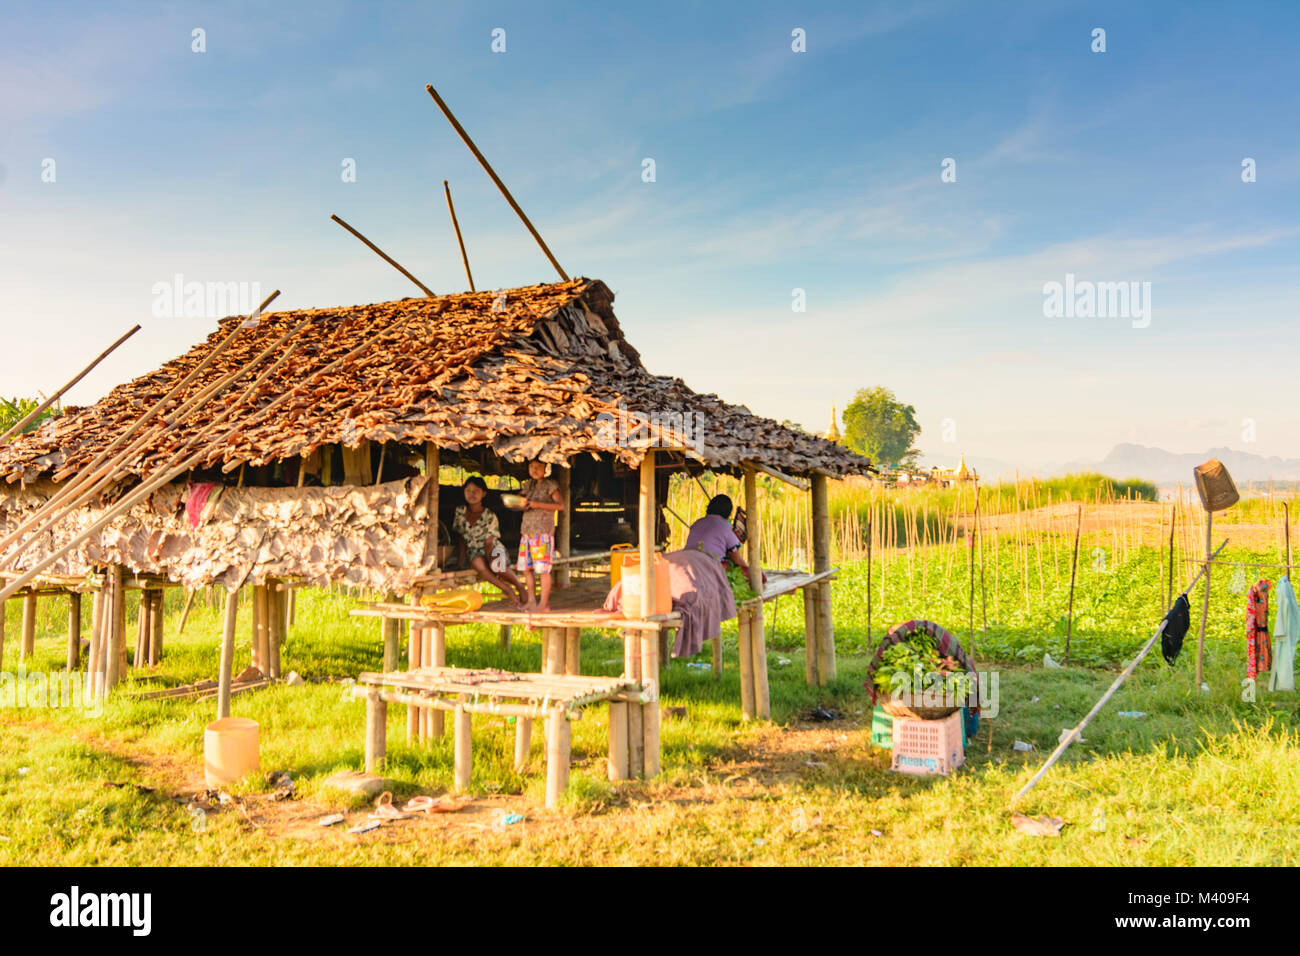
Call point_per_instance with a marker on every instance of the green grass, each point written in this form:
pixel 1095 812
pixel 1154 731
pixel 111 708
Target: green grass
pixel 1195 782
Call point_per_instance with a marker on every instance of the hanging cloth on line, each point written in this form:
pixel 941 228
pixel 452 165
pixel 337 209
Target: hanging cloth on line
pixel 1286 631
pixel 1176 622
pixel 1259 651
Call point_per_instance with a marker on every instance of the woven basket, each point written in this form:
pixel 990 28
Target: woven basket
pixel 895 708
pixel 1215 486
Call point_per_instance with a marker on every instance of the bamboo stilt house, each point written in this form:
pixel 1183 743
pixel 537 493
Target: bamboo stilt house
pixel 317 470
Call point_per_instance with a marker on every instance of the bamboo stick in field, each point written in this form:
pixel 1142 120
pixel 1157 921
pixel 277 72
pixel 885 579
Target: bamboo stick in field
pixel 385 256
pixel 869 534
pixel 36 412
pixel 1074 567
pixel 1205 607
pixel 455 224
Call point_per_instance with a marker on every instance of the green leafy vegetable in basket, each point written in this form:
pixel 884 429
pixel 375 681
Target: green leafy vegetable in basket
pixel 740 585
pixel 919 650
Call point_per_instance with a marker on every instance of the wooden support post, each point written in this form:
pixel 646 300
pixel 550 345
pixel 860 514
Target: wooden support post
pixel 29 626
pixel 74 632
pixel 275 626
pixel 523 741
pixel 1205 606
pixel 557 756
pixel 376 730
pixel 436 656
pixel 809 636
pixel 647 522
pixel 618 740
pixel 754 557
pixel 503 637
pixel 95 654
pixel 414 715
pixel 635 728
pixel 744 636
pixel 554 637
pixel 391 631
pixel 650 711
pixel 826 667
pixel 717 657
pixel 114 629
pixel 572 650
pixel 261 630
pixel 156 627
pixel 190 594
pixel 463 755
pixel 2 635
pixel 142 619
pixel 228 655
pixel 564 525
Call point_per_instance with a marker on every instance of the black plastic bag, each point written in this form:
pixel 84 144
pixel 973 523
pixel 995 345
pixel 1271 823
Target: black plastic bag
pixel 1177 621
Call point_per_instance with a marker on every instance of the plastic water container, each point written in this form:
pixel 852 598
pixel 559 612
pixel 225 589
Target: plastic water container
pixel 617 554
pixel 632 586
pixel 230 750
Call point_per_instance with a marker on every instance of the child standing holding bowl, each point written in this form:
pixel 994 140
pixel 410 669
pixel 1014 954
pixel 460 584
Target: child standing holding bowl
pixel 542 500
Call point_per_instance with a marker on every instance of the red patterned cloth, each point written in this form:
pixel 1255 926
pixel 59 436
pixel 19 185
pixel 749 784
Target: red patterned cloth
pixel 1259 649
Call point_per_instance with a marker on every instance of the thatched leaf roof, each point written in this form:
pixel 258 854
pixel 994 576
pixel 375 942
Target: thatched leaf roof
pixel 540 371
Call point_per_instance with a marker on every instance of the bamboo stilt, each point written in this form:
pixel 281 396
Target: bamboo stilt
pixel 618 746
pixel 463 754
pixel 377 733
pixel 29 626
pixel 74 632
pixel 557 756
pixel 228 654
pixel 455 224
pixel 650 713
pixel 414 715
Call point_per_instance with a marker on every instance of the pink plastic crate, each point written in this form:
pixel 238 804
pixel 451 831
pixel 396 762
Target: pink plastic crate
pixel 928 746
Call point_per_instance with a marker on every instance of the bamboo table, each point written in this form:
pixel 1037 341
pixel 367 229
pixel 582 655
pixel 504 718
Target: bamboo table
pixel 557 698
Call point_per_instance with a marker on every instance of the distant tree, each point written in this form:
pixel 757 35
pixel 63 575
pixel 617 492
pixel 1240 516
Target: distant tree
pixel 880 427
pixel 793 426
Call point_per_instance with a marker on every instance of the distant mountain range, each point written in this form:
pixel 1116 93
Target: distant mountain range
pixel 1166 467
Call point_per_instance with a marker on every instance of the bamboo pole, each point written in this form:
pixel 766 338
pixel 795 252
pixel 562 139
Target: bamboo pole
pixel 74 631
pixel 650 713
pixel 460 130
pixel 463 748
pixel 36 412
pixel 162 475
pixel 29 626
pixel 618 745
pixel 436 654
pixel 754 557
pixel 414 715
pixel 2 637
pixel 385 256
pixel 564 525
pixel 103 470
pixel 185 612
pixel 1075 732
pixel 117 621
pixel 1205 606
pixel 228 654
pixel 455 224
pixel 377 732
pixel 1074 567
pixel 826 667
pixel 745 635
pixel 557 756
pixel 94 655
pixel 1173 521
pixel 810 636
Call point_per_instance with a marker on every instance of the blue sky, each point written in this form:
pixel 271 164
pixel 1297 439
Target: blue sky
pixel 775 170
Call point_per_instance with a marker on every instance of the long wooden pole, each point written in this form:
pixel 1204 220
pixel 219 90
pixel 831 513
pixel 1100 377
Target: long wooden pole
pixel 460 241
pixel 487 167
pixel 1073 735
pixel 167 475
pixel 36 412
pixel 94 478
pixel 385 256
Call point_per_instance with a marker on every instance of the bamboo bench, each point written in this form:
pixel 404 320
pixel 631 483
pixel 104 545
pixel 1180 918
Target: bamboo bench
pixel 557 698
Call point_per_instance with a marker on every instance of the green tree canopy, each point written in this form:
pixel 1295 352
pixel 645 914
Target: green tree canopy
pixel 14 410
pixel 880 427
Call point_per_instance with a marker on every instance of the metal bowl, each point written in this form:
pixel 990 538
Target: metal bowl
pixel 513 502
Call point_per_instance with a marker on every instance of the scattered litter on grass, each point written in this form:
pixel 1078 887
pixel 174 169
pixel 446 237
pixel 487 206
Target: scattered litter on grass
pixel 1132 713
pixel 294 680
pixel 759 841
pixel 1022 746
pixel 1066 732
pixel 699 666
pixel 1049 663
pixel 24 770
pixel 671 712
pixel 1034 700
pixel 508 819
pixel 330 820
pixel 782 662
pixel 823 714
pixel 814 763
pixel 1205 688
pixel 875 833
pixel 283 783
pixel 1037 826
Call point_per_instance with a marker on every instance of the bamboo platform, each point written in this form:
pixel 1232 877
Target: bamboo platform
pixel 444 580
pixel 555 698
pixel 580 605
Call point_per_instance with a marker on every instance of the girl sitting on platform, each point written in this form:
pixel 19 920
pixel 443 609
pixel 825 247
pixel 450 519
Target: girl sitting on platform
pixel 480 534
